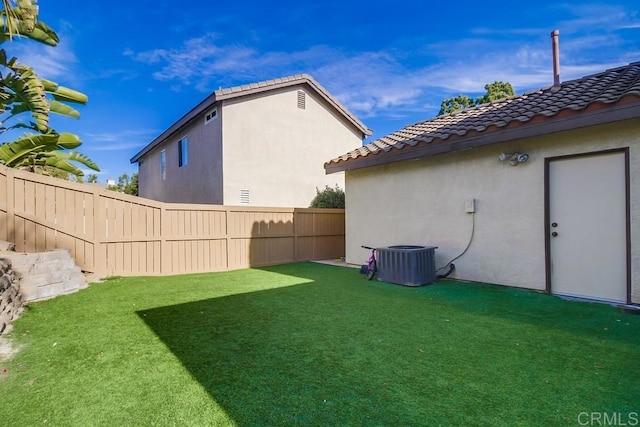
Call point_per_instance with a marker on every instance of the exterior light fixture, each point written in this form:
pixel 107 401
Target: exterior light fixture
pixel 514 158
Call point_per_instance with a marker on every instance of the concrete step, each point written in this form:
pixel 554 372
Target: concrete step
pixel 44 266
pixel 52 289
pixel 42 279
pixel 6 246
pixel 46 274
pixel 25 260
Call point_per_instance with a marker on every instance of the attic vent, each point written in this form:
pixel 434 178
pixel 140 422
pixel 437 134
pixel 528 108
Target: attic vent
pixel 210 116
pixel 244 197
pixel 301 100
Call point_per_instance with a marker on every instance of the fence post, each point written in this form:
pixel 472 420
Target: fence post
pixel 315 233
pixel 295 235
pixel 100 233
pixel 165 231
pixel 227 239
pixel 11 217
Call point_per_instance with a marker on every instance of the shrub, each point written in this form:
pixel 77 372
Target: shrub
pixel 328 198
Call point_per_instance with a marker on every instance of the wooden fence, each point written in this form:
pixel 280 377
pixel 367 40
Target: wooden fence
pixel 110 233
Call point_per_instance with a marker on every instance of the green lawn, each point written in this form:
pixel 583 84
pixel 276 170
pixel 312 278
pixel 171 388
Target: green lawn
pixel 311 344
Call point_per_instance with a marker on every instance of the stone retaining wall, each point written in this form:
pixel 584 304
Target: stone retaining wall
pixel 10 299
pixel 33 277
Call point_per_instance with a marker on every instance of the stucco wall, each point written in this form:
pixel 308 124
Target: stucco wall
pixel 200 180
pixel 422 202
pixel 276 150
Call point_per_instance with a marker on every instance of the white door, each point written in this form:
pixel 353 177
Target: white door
pixel 588 231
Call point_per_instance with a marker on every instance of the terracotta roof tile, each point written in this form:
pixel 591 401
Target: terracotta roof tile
pixel 607 88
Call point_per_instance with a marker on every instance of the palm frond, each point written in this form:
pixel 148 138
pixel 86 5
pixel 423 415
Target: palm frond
pixel 29 145
pixel 61 162
pixel 22 91
pixel 22 20
pixel 71 156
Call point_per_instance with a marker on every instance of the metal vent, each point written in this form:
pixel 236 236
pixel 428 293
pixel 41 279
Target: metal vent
pixel 301 100
pixel 407 265
pixel 210 116
pixel 244 197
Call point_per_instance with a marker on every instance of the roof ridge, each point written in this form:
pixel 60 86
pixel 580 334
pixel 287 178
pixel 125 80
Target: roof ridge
pixel 261 83
pixel 301 78
pixel 597 74
pixel 254 88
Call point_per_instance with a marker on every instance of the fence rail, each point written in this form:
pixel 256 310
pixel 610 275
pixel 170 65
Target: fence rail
pixel 110 233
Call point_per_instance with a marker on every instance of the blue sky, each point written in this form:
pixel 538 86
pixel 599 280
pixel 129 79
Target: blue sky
pixel 145 63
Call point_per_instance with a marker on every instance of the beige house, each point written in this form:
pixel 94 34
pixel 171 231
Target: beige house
pixel 260 144
pixel 540 189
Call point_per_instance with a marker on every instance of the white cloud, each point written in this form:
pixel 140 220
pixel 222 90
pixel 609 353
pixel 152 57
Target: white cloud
pixel 49 62
pixel 119 141
pixel 202 63
pixel 529 32
pixel 197 59
pixel 369 82
pixel 597 17
pixel 398 81
pixel 630 26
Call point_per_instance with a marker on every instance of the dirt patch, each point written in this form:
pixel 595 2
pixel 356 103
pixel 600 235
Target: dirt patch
pixel 7 350
pixel 92 277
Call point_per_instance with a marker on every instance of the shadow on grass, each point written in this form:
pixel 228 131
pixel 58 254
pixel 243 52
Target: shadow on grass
pixel 278 357
pixel 337 350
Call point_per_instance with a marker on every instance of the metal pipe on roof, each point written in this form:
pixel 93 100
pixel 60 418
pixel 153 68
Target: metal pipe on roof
pixel 555 44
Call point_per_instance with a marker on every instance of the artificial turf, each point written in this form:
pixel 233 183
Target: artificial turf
pixel 311 344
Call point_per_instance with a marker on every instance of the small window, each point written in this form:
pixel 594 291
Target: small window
pixel 163 164
pixel 244 197
pixel 301 100
pixel 183 152
pixel 210 116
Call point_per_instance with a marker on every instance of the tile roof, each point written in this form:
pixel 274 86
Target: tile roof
pixel 598 91
pixel 250 89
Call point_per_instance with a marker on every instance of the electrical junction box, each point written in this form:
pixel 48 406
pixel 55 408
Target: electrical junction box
pixel 470 205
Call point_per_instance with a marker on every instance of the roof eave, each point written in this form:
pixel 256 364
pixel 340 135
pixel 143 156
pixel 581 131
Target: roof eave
pixel 335 104
pixel 204 105
pixel 299 80
pixel 226 94
pixel 579 120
